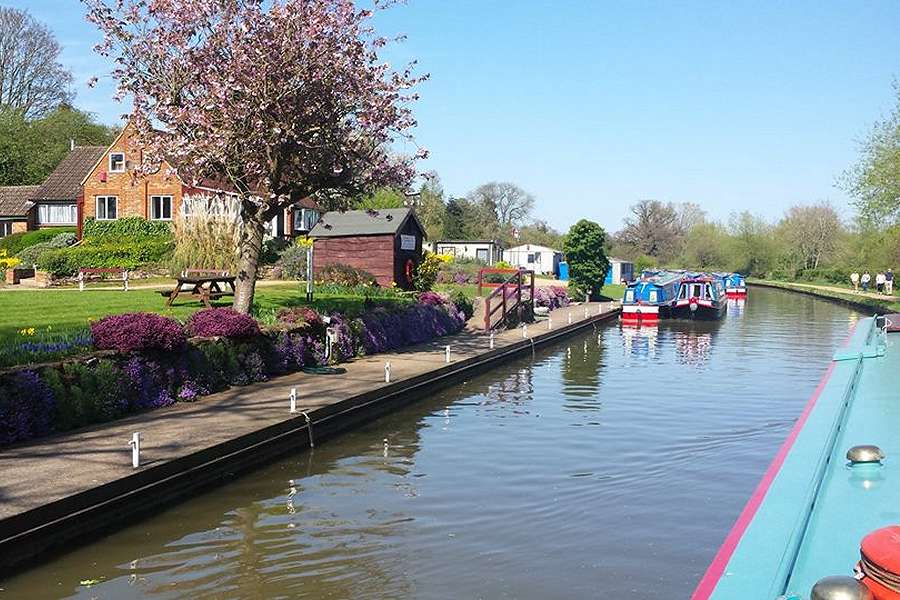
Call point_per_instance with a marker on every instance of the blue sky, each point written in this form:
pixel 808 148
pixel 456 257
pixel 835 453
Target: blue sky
pixel 592 106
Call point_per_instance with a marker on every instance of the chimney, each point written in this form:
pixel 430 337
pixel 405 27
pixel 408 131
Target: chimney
pixel 71 144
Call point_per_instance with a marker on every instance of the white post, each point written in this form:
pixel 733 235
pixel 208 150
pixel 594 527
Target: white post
pixel 492 341
pixel 570 317
pixel 387 372
pixel 447 354
pixel 524 331
pixel 585 312
pixel 309 273
pixel 80 281
pixel 549 322
pixel 125 279
pixel 135 444
pixel 293 398
pixel 599 308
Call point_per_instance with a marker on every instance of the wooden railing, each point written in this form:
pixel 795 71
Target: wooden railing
pixel 509 295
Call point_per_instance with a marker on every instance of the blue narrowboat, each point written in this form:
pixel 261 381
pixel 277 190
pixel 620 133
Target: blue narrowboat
pixel 700 296
pixel 735 286
pixel 650 297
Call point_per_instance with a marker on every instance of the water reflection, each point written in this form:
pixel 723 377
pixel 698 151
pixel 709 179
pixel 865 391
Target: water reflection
pixel 640 340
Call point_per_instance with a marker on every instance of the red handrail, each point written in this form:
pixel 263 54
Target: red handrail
pixel 512 287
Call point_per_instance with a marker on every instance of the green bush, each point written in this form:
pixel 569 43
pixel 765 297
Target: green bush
pixel 293 262
pixel 31 255
pixel 463 303
pixel 345 275
pixel 588 264
pixel 126 228
pixel 273 250
pixel 15 243
pixel 129 255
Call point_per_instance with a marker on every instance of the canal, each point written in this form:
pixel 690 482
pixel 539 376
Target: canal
pixel 609 465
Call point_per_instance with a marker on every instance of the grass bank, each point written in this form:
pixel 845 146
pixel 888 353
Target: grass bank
pixel 863 302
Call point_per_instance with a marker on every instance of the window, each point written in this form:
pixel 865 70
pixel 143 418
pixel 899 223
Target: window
pixel 629 296
pixel 482 254
pixel 57 214
pixel 653 296
pixel 5 228
pixel 530 259
pixel 305 219
pixel 161 208
pixel 116 162
pixel 106 208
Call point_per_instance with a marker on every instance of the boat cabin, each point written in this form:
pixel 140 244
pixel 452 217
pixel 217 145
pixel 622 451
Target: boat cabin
pixel 651 296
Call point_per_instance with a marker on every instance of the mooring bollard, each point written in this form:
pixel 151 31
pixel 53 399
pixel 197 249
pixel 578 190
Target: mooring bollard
pixel 549 322
pixel 492 341
pixel 599 308
pixel 447 353
pixel 524 331
pixel 585 311
pixel 135 444
pixel 293 398
pixel 570 318
pixel 309 429
pixel 387 372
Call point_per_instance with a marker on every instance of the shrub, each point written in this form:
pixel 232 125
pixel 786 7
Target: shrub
pixel 27 407
pixel 293 262
pixel 15 243
pixel 137 331
pixel 273 250
pixel 426 272
pixel 6 261
pixel 302 317
pixel 432 298
pixel 224 322
pixel 32 255
pixel 345 275
pixel 207 239
pixel 552 297
pixel 463 303
pixel 126 228
pixel 588 264
pixel 129 255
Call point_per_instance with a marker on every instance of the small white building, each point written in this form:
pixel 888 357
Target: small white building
pixel 540 259
pixel 620 271
pixel 487 251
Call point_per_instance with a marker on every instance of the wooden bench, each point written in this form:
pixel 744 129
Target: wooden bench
pixel 202 284
pixel 85 275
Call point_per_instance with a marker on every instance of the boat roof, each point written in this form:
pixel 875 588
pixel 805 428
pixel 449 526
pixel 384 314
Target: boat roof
pixel 807 517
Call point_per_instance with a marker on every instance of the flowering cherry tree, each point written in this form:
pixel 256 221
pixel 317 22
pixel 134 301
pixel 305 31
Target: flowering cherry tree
pixel 277 100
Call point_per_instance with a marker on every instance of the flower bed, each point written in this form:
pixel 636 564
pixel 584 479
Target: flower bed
pixel 149 361
pixel 552 297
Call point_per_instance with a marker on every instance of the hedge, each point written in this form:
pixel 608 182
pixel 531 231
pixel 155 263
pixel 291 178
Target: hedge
pixel 126 228
pixel 15 243
pixel 90 254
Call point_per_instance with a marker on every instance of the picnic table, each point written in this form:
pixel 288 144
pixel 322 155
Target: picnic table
pixel 201 285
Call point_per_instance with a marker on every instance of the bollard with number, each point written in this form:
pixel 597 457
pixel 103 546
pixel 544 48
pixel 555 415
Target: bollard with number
pixel 135 444
pixel 387 372
pixel 293 397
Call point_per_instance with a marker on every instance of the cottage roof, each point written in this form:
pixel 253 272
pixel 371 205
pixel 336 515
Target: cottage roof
pixel 494 242
pixel 64 183
pixel 384 221
pixel 531 248
pixel 15 200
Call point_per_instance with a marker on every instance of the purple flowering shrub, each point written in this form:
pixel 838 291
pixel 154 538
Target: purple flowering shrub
pixel 221 322
pixel 137 331
pixel 552 297
pixel 432 298
pixel 383 329
pixel 27 407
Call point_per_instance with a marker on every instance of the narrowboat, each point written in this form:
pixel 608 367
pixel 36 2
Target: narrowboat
pixel 650 298
pixel 735 286
pixel 700 296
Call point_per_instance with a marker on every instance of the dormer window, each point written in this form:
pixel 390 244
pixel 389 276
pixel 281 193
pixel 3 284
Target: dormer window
pixel 116 162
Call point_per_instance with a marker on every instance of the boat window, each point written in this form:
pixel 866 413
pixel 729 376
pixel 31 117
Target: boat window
pixel 696 290
pixel 653 296
pixel 629 296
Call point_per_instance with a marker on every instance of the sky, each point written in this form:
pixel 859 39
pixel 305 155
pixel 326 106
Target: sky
pixel 592 106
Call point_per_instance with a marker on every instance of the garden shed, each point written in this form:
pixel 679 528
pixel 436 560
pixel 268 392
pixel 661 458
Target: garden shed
pixel 386 242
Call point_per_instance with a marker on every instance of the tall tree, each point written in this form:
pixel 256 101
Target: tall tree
pixel 282 99
pixel 32 80
pixel 511 204
pixel 752 244
pixel 384 197
pixel 430 206
pixel 811 233
pixel 874 181
pixel 654 228
pixel 540 233
pixel 584 247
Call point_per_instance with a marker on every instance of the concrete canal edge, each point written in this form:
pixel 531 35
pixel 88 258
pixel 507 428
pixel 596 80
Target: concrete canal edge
pixel 867 307
pixel 57 526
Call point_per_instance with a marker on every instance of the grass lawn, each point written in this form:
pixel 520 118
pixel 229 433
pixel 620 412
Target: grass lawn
pixel 66 309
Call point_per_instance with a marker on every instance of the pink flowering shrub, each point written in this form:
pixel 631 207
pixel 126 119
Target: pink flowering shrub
pixel 432 299
pixel 223 322
pixel 137 331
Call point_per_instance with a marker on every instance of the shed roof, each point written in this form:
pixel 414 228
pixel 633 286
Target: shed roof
pixel 384 221
pixel 15 200
pixel 531 248
pixel 494 242
pixel 64 183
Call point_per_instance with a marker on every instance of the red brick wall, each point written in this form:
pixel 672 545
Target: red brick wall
pixel 374 253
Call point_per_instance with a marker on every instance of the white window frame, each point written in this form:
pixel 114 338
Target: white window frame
pixel 6 228
pixel 46 208
pixel 152 207
pixel 110 162
pixel 105 200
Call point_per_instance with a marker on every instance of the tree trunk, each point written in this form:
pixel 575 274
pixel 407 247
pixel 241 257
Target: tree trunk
pixel 248 264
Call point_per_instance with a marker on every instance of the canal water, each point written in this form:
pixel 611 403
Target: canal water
pixel 609 465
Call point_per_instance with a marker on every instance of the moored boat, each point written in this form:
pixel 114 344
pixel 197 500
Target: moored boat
pixel 650 298
pixel 735 286
pixel 700 296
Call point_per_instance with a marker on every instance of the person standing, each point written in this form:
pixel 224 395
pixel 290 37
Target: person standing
pixel 889 282
pixel 879 282
pixel 854 281
pixel 864 280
